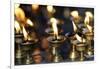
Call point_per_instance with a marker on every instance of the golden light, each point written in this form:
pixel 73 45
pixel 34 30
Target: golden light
pixel 89 14
pixel 26 36
pixel 19 13
pixel 16 5
pixel 86 20
pixel 25 33
pixel 30 22
pixel 54 25
pixel 35 6
pixel 50 9
pixel 89 28
pixel 75 14
pixel 80 39
pixel 17 27
pixel 88 17
pixel 74 26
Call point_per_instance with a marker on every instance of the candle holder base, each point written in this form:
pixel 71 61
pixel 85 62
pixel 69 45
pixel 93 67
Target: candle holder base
pixel 73 55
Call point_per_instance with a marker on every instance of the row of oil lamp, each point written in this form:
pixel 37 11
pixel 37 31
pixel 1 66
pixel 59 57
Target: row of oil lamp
pixel 80 45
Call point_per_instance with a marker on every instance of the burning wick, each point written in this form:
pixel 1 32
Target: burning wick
pixel 54 26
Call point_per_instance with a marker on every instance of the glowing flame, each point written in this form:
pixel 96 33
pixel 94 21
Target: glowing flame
pixel 80 39
pixel 17 27
pixel 74 26
pixel 50 9
pixel 75 14
pixel 17 5
pixel 20 15
pixel 54 25
pixel 89 14
pixel 25 33
pixel 26 36
pixel 86 21
pixel 29 22
pixel 89 28
pixel 35 6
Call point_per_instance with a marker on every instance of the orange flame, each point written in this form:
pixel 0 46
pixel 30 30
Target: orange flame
pixel 54 25
pixel 29 22
pixel 17 27
pixel 80 39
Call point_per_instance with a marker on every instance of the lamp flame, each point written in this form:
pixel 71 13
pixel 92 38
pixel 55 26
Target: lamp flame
pixel 17 27
pixel 54 25
pixel 26 36
pixel 50 9
pixel 89 14
pixel 75 14
pixel 74 26
pixel 86 21
pixel 80 39
pixel 29 22
pixel 25 33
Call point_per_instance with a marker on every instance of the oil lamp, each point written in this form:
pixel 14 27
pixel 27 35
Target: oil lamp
pixel 55 42
pixel 73 53
pixel 28 41
pixel 89 34
pixel 18 41
pixel 27 46
pixel 81 46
